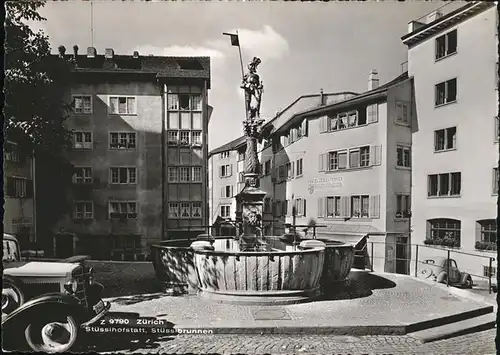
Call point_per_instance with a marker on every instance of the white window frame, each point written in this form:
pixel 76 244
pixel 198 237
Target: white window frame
pixel 196 138
pixel 495 181
pixel 403 201
pixel 123 142
pixel 85 214
pixel 334 167
pixel 83 180
pixel 438 192
pixel 125 213
pixel 173 177
pixel 446 83
pixel 299 164
pixel 182 205
pixel 335 213
pixel 363 157
pixel 361 213
pixel 173 137
pixel 118 97
pixel 403 148
pixel 446 45
pixel 225 211
pixel 129 170
pixel 83 111
pixel 84 145
pixel 445 144
pixel 225 170
pixel 197 170
pixel 196 205
pixel 173 206
pixel 185 178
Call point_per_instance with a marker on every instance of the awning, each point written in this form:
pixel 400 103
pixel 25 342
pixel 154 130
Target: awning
pixel 356 239
pixel 348 233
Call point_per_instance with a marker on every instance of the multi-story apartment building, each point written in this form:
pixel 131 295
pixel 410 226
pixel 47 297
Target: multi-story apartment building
pixel 139 150
pixel 18 194
pixel 453 59
pixel 344 165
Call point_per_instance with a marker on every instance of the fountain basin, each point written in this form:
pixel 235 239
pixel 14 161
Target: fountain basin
pixel 173 261
pixel 274 276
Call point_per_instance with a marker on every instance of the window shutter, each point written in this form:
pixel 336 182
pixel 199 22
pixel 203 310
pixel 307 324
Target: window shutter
pixel 375 154
pixel 220 171
pixel 497 128
pixel 304 207
pixel 321 162
pixel 292 170
pixel 321 207
pixel 375 206
pixel 230 170
pixel 304 127
pixel 231 191
pixel 344 203
pixel 323 124
pixel 478 232
pixel 222 192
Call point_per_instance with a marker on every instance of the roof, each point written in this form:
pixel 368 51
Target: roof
pixel 234 144
pixel 160 66
pixel 357 99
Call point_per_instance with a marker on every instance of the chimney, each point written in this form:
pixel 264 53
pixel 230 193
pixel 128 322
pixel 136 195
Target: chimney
pixel 109 53
pixel 75 50
pixel 322 98
pixel 433 16
pixel 373 80
pixel 91 52
pixel 136 54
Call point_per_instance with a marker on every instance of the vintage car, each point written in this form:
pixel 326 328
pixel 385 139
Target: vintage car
pixel 45 304
pixel 444 270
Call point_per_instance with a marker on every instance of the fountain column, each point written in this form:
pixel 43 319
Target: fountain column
pixel 250 201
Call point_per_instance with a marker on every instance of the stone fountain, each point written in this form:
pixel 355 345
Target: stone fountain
pixel 252 268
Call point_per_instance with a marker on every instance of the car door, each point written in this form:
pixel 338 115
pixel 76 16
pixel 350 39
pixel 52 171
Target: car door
pixel 454 273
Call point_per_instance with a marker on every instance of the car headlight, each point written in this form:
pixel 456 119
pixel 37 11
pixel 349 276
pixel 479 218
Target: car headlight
pixel 71 286
pixel 91 275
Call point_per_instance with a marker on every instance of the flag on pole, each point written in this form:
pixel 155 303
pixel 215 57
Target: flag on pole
pixel 234 39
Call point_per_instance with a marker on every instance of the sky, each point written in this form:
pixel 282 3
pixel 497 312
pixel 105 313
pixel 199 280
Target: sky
pixel 304 47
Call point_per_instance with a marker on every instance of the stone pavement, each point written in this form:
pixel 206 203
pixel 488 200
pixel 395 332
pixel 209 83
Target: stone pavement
pixel 382 305
pixel 474 344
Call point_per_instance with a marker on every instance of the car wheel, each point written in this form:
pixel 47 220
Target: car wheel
pixel 468 282
pixel 52 333
pixel 442 277
pixel 426 273
pixel 12 295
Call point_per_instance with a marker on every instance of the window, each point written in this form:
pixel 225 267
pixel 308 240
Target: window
pixel 497 128
pixel 360 206
pixel 403 157
pixel 359 157
pixel 173 102
pixel 173 174
pixel 299 166
pixel 173 120
pixel 11 151
pixel 445 139
pixel 300 207
pixel 183 102
pixel 173 210
pixel 288 170
pixel 345 120
pixel 184 174
pixel 447 184
pixel 82 104
pixel 82 140
pixel 333 208
pixel 196 209
pixel 267 167
pixel 184 137
pixel 225 211
pixel 196 173
pixel 84 210
pixel 123 209
pixel 284 209
pixel 337 160
pixel 173 137
pixel 196 138
pixel 19 187
pixel 267 205
pixel 446 44
pixel 487 271
pixel 122 140
pixel 196 102
pixel 444 232
pixel 226 170
pixel 241 156
pixel 83 175
pixel 403 206
pixel 227 191
pixel 224 155
pixel 121 105
pixel 402 113
pixel 495 180
pixel 446 92
pixel 488 231
pixel 123 175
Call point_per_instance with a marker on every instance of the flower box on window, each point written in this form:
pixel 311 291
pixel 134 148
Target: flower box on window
pixel 445 242
pixel 486 246
pixel 184 142
pixel 357 214
pixel 132 215
pixel 399 215
pixel 365 214
pixel 337 214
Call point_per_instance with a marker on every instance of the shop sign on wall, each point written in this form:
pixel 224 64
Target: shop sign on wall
pixel 325 183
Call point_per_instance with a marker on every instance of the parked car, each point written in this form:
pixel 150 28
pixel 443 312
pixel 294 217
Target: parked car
pixel 45 304
pixel 437 269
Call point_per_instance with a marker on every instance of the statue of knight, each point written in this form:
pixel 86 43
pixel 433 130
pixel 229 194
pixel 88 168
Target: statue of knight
pixel 253 90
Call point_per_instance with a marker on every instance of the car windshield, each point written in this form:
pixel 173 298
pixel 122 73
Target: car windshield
pixel 10 251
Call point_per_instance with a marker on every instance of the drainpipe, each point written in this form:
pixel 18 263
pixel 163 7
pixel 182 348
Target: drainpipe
pixel 33 167
pixel 412 114
pixel 163 166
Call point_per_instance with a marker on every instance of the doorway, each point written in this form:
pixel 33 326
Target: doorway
pixel 402 262
pixel 64 245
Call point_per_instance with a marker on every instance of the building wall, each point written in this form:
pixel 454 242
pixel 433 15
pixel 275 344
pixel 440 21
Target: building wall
pixel 219 182
pixel 473 113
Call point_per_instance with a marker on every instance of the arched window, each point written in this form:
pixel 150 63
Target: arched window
pixel 486 234
pixel 443 231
